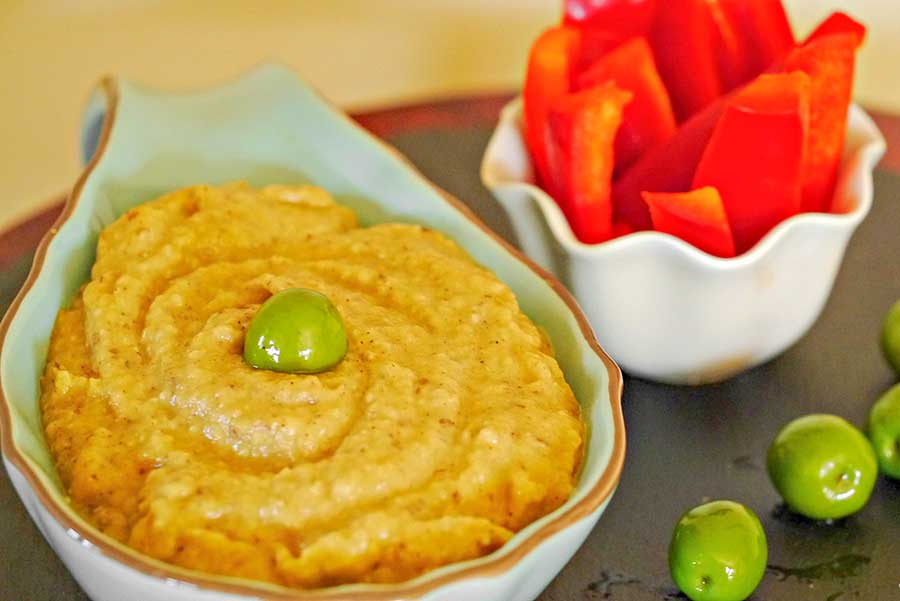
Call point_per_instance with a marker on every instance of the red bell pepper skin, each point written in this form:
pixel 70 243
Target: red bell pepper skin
pixel 755 157
pixel 669 167
pixel 620 228
pixel 550 66
pixel 682 40
pixel 596 42
pixel 764 26
pixel 731 48
pixel 629 17
pixel 648 119
pixel 838 23
pixel 582 129
pixel 829 62
pixel 697 217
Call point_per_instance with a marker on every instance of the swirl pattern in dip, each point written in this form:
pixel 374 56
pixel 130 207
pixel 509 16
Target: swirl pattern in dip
pixel 447 427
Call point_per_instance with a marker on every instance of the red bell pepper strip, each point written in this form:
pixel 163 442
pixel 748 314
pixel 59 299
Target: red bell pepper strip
pixel 668 167
pixel 756 153
pixel 549 74
pixel 582 130
pixel 596 42
pixel 620 228
pixel 648 119
pixel 838 23
pixel 629 17
pixel 730 48
pixel 829 62
pixel 682 40
pixel 697 217
pixel 764 26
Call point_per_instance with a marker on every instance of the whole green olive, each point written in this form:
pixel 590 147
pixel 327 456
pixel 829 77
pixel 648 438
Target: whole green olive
pixel 890 337
pixel 823 467
pixel 718 552
pixel 296 331
pixel 884 432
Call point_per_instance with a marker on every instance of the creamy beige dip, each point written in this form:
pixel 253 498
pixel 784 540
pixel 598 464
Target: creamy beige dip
pixel 447 427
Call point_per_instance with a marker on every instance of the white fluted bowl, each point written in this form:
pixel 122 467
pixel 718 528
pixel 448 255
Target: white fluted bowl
pixel 667 311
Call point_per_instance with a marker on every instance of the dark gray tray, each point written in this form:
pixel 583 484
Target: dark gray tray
pixel 685 445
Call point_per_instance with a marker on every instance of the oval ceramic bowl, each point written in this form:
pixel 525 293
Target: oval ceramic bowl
pixel 667 311
pixel 268 127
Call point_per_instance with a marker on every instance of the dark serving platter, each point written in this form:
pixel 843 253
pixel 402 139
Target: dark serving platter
pixel 685 445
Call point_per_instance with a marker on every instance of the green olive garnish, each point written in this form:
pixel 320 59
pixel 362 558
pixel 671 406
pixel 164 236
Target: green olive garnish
pixel 296 331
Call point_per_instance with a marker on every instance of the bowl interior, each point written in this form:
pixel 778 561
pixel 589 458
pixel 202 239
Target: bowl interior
pixel 265 128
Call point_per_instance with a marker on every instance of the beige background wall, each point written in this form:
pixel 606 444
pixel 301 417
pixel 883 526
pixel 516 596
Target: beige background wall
pixel 360 53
